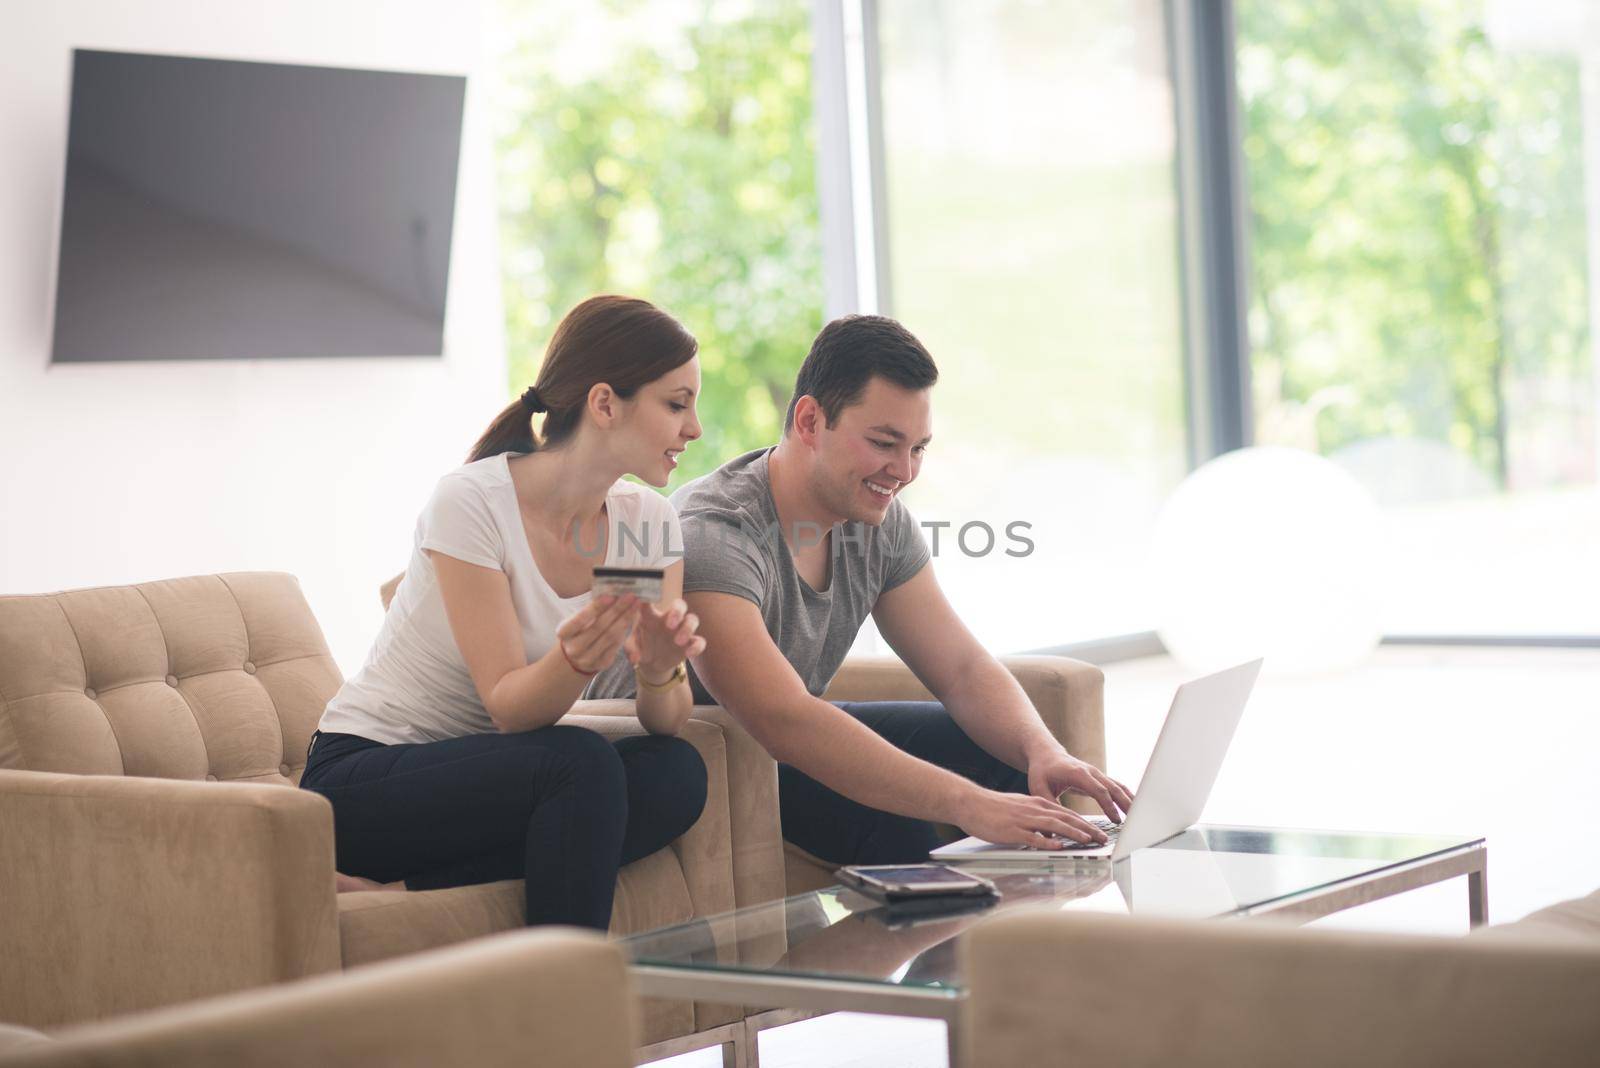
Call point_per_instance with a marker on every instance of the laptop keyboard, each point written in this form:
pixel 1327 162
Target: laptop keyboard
pixel 1111 831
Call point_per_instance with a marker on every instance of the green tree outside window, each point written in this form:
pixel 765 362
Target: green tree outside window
pixel 666 151
pixel 1417 235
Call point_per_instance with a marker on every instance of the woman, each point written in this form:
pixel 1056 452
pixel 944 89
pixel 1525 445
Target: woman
pixel 443 757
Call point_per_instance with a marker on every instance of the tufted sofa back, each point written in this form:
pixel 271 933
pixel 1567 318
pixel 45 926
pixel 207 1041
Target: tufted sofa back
pixel 219 677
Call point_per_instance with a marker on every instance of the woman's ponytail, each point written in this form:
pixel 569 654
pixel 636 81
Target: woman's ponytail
pixel 511 431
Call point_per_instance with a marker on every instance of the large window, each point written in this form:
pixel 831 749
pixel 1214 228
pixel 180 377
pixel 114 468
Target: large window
pixel 666 150
pixel 1418 228
pixel 1421 235
pixel 1032 230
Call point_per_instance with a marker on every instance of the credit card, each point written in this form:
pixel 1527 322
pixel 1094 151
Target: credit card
pixel 643 582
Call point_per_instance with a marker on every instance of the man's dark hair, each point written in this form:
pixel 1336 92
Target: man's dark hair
pixel 848 353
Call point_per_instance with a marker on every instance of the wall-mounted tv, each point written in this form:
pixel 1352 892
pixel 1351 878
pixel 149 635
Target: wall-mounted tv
pixel 223 209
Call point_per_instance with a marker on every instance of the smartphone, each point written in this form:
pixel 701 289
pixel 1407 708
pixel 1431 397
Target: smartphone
pixel 894 883
pixel 897 915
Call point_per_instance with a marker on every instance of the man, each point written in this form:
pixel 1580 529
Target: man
pixel 787 550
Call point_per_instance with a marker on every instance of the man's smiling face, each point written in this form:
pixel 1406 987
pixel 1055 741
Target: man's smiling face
pixel 873 451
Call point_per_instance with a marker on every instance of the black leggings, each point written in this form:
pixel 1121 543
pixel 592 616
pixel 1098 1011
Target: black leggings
pixel 561 807
pixel 834 828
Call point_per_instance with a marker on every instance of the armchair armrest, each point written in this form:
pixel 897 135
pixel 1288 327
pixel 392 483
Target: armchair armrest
pixel 523 998
pixel 712 853
pixel 1215 993
pixel 754 823
pixel 125 893
pixel 704 850
pixel 1068 694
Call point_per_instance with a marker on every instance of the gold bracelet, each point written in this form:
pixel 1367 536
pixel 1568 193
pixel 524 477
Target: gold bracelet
pixel 679 674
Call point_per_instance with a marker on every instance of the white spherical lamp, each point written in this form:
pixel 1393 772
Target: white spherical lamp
pixel 1268 552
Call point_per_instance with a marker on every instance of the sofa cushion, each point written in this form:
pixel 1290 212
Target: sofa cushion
pixel 213 677
pixel 378 924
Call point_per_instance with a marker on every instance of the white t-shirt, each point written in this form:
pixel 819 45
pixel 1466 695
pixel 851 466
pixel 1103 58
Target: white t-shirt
pixel 415 686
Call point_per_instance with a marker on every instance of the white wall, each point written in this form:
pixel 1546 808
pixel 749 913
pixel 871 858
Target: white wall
pixel 114 473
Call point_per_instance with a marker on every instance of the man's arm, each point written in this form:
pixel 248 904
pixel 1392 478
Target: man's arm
pixel 923 629
pixel 748 676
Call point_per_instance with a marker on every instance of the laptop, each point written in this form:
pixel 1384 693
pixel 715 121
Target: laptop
pixel 1183 767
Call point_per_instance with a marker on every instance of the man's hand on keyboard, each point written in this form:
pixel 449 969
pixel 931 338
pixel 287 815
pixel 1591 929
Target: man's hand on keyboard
pixel 1057 772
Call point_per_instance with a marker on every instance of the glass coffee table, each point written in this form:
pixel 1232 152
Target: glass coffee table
pixel 834 950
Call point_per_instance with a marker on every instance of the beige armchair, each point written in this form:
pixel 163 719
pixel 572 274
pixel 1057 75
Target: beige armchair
pixel 154 851
pixel 1136 991
pixel 526 998
pixel 147 737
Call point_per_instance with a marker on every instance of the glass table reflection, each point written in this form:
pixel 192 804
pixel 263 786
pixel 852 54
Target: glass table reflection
pixel 836 949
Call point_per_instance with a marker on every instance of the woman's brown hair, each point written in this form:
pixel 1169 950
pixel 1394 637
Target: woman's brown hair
pixel 621 341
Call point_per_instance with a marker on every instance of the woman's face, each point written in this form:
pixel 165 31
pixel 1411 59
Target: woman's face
pixel 662 423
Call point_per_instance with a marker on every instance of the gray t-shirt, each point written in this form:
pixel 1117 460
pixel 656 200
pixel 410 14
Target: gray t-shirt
pixel 733 544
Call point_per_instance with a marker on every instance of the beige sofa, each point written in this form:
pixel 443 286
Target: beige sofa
pixel 147 734
pixel 523 999
pixel 1206 994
